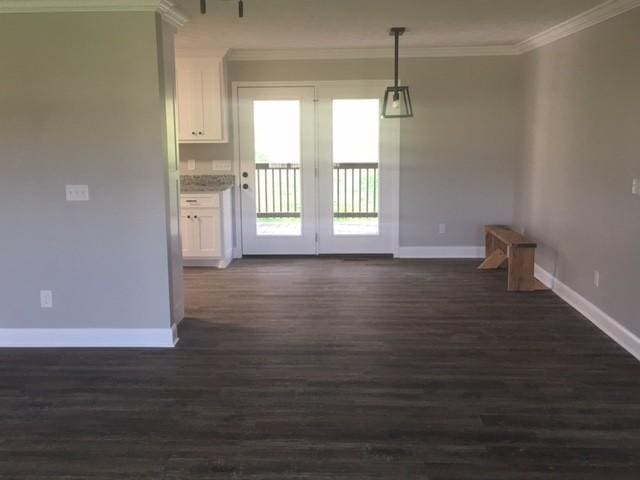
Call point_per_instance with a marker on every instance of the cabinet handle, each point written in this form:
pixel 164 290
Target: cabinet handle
pixel 193 133
pixel 188 216
pixel 200 133
pixel 195 216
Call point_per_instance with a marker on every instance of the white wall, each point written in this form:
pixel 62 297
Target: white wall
pixel 581 152
pixel 82 102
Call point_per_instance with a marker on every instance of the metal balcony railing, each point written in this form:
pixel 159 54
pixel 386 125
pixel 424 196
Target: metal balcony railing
pixel 355 190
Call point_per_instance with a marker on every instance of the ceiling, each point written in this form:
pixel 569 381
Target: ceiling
pixel 326 24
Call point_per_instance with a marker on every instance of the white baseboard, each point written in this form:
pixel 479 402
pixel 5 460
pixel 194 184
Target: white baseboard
pixel 224 262
pixel 440 252
pixel 88 337
pixel 214 262
pixel 620 334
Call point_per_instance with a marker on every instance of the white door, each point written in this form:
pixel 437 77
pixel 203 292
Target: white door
pixel 358 170
pixel 277 165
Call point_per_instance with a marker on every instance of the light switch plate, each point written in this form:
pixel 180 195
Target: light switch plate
pixel 442 228
pixel 77 193
pixel 221 165
pixel 191 164
pixel 635 189
pixel 46 299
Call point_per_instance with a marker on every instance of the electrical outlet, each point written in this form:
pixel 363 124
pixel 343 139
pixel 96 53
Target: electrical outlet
pixel 596 278
pixel 442 228
pixel 191 164
pixel 635 188
pixel 46 299
pixel 77 193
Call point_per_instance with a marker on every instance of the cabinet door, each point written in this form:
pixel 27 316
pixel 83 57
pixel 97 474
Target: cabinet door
pixel 213 101
pixel 187 224
pixel 201 100
pixel 207 233
pixel 190 100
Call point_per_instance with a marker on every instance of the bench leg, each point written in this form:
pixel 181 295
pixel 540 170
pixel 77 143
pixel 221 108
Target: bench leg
pixel 490 245
pixel 521 264
pixel 493 260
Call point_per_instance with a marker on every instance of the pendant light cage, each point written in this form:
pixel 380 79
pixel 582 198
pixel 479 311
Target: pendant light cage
pixel 397 103
pixel 397 99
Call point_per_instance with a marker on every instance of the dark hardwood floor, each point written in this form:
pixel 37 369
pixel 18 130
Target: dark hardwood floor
pixel 330 369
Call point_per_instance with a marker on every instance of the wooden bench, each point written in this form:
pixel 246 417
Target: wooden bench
pixel 504 246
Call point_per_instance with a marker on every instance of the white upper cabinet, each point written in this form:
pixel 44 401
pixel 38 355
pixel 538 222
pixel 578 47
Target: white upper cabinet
pixel 202 101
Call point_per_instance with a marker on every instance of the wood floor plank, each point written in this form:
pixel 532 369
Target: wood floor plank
pixel 322 368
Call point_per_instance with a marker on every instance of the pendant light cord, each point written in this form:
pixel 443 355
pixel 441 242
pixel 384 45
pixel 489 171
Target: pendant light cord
pixel 397 54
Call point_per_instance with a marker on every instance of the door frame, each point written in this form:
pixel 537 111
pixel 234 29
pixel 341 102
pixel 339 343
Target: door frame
pixel 306 241
pixel 393 161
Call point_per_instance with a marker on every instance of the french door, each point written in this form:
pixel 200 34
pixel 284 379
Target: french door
pixel 277 163
pixel 357 166
pixel 318 169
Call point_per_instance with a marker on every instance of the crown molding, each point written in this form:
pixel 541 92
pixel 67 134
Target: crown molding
pixel 201 52
pixel 589 18
pixel 364 53
pixel 166 8
pixel 172 14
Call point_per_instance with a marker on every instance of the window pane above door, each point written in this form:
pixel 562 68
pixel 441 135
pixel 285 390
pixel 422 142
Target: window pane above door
pixel 356 158
pixel 277 149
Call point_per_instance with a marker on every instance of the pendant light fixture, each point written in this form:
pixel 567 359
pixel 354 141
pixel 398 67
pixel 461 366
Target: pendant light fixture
pixel 397 101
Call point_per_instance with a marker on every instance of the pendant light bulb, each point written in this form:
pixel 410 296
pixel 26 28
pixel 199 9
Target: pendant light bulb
pixel 396 101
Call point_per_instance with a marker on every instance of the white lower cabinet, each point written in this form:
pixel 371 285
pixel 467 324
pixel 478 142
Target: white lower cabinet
pixel 205 227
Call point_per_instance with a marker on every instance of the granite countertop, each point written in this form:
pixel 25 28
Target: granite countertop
pixel 205 183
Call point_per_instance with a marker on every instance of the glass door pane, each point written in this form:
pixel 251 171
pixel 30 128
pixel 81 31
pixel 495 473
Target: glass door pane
pixel 277 161
pixel 356 158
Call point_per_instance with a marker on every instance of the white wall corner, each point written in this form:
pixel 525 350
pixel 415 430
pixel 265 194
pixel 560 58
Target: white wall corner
pixel 616 331
pixel 88 337
pixel 441 252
